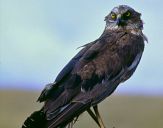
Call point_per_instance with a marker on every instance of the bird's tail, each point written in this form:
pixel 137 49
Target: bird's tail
pixel 35 120
pixel 68 115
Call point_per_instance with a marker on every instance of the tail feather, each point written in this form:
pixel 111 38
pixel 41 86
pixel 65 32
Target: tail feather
pixel 67 115
pixel 36 120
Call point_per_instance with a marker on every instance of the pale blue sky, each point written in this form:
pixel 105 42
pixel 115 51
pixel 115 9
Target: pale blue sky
pixel 38 37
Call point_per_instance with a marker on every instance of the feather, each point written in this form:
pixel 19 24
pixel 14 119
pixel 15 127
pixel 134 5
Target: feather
pixel 36 120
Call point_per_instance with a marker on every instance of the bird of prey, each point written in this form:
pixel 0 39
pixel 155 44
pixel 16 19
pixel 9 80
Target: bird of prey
pixel 94 73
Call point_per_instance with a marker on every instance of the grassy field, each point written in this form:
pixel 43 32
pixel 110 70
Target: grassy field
pixel 118 111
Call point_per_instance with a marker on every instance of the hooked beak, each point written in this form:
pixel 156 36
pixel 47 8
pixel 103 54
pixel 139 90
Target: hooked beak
pixel 120 21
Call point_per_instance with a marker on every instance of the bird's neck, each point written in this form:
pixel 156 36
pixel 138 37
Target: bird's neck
pixel 135 31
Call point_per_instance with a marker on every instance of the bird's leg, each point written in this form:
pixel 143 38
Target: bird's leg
pixel 70 125
pixel 93 116
pixel 98 116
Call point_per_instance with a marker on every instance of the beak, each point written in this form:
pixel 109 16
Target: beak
pixel 120 21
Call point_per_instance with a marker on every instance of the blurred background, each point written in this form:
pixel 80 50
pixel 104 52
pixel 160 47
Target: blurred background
pixel 38 38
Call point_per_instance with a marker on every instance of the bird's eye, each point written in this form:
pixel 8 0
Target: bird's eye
pixel 113 16
pixel 127 14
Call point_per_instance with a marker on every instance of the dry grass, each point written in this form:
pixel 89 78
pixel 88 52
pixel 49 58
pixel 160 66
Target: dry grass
pixel 117 111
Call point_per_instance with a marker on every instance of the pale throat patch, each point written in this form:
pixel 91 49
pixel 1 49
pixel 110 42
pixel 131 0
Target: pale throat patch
pixel 135 31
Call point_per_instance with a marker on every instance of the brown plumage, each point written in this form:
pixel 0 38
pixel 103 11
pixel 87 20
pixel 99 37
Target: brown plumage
pixel 92 75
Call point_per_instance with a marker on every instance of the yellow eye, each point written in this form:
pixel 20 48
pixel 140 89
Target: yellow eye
pixel 128 14
pixel 113 16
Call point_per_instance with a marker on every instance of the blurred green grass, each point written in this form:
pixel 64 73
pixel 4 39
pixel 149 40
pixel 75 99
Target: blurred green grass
pixel 119 111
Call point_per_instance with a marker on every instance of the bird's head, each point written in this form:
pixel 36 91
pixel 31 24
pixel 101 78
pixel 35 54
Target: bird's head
pixel 124 17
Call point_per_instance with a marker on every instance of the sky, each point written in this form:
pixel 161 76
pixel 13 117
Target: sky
pixel 38 38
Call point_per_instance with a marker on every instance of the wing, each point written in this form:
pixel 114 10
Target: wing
pixel 82 76
pixel 89 51
pixel 89 70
